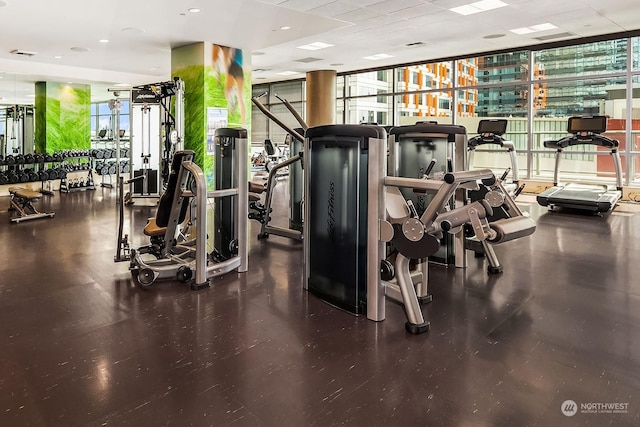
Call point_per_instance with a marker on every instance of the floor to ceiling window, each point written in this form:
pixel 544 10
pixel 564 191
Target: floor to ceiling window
pixel 537 90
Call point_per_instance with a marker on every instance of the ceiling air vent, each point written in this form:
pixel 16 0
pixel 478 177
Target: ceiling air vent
pixel 414 44
pixel 554 36
pixel 22 52
pixel 308 59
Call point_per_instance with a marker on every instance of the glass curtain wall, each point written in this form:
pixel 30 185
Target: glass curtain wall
pixel 536 90
pixel 262 127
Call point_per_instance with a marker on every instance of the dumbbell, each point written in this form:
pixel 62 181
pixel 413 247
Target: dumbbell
pixel 43 175
pixel 10 160
pixel 12 177
pixel 38 158
pixel 33 176
pixel 23 176
pixel 52 174
pixel 57 157
pixel 3 179
pixel 28 159
pixel 62 174
pixel 19 159
pixel 125 167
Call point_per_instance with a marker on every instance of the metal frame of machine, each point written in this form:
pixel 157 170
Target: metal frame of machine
pixel 186 259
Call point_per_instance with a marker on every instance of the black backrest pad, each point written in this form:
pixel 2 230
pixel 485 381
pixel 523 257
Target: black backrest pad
pixel 268 145
pixel 164 206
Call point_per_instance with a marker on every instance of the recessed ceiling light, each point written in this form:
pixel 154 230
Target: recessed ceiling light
pixel 533 28
pixel 288 73
pixel 194 10
pixel 337 64
pixel 133 30
pixel 257 53
pixel 315 46
pixel 261 78
pixel 57 57
pixel 377 57
pixel 80 49
pixel 493 36
pixel 479 6
pixel 286 27
pixel 31 96
pixel 103 41
pixel 154 68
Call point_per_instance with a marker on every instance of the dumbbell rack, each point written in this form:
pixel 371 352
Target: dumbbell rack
pixel 104 163
pixel 73 163
pixel 16 173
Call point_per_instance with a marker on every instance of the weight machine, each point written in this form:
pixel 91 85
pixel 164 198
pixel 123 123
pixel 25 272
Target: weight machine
pixel 179 232
pixel 262 213
pixel 151 107
pixel 20 130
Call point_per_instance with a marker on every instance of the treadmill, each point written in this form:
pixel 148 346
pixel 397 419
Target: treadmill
pixel 594 198
pixel 490 131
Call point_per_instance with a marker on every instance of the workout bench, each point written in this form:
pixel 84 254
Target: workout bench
pixel 21 203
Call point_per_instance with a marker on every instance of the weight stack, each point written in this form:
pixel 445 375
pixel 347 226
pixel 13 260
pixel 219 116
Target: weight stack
pixel 345 166
pixel 227 142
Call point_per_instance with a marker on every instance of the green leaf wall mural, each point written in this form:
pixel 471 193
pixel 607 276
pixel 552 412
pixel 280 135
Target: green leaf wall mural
pixel 63 116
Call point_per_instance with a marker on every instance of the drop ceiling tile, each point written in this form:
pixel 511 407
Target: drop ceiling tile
pixel 358 15
pixel 390 6
pixel 334 9
pixel 305 5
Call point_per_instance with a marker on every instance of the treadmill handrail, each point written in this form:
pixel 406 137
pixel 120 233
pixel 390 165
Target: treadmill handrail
pixel 479 140
pixel 591 139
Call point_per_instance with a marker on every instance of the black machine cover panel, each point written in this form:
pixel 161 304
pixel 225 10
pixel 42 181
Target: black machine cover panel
pixel 337 229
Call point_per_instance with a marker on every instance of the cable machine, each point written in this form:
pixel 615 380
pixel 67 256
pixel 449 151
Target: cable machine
pixel 20 130
pixel 161 134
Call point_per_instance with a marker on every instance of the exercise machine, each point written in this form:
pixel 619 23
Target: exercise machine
pixel 500 195
pixel 589 197
pixel 161 133
pixel 262 213
pixel 490 132
pixel 22 204
pixel 178 233
pixel 20 130
pixel 353 209
pixel 412 149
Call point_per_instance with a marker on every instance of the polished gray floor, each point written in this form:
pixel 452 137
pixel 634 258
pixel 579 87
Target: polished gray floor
pixel 83 346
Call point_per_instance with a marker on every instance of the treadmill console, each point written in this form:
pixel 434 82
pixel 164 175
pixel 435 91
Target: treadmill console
pixel 587 125
pixel 495 126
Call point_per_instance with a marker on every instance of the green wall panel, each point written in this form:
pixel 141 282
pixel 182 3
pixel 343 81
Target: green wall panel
pixel 63 116
pixel 41 117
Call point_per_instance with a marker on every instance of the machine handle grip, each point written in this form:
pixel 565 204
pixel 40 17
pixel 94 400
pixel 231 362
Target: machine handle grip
pixel 137 178
pixel 505 174
pixel 432 164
